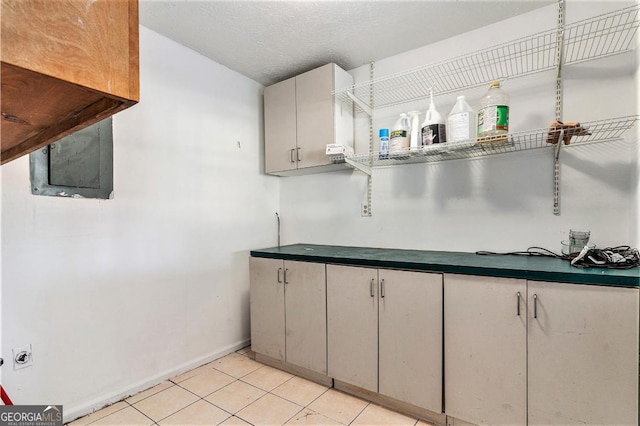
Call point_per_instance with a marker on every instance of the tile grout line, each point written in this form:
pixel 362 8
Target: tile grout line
pixel 306 406
pixel 290 418
pixel 97 411
pixel 136 408
pixel 361 411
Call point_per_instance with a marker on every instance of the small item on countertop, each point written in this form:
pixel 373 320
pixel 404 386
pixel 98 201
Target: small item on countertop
pixel 570 129
pixel 621 257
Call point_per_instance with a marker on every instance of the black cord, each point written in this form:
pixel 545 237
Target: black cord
pixel 531 251
pixel 541 251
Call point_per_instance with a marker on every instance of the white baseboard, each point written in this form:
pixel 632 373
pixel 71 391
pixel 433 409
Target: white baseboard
pixel 72 412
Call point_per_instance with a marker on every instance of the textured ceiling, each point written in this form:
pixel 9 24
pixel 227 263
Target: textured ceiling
pixel 269 41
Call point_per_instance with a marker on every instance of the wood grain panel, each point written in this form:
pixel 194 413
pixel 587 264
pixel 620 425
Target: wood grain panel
pixel 66 64
pixel 38 110
pixel 88 42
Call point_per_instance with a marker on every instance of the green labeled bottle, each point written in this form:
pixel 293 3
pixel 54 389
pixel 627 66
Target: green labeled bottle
pixel 493 114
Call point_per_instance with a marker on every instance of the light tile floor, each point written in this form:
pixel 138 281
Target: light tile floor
pixel 236 390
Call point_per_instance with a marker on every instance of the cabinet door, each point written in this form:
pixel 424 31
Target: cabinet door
pixel 280 126
pixel 315 107
pixel 583 354
pixel 485 345
pixel 306 315
pixel 410 333
pixel 352 325
pixel 266 302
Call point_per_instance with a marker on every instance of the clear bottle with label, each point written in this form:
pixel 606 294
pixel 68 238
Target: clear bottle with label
pixel 461 122
pixel 399 137
pixel 493 114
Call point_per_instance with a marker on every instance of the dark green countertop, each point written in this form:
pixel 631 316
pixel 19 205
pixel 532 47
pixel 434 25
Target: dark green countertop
pixel 511 266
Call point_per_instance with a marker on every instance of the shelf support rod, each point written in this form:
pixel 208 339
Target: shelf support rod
pixel 558 111
pixel 371 135
pixel 556 174
pixel 359 166
pixel 361 104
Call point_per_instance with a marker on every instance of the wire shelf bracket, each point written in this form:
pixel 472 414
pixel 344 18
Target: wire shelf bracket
pixel 600 131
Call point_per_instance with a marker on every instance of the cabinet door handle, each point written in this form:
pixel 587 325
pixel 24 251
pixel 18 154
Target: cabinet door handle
pixel 518 303
pixel 279 280
pixel 285 276
pixel 291 155
pixel 535 306
pixel 298 155
pixel 371 287
pixel 382 287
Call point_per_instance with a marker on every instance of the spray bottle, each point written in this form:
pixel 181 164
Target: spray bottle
pixel 433 127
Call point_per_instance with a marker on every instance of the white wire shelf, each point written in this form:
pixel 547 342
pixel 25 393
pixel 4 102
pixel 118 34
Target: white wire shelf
pixel 600 131
pixel 604 35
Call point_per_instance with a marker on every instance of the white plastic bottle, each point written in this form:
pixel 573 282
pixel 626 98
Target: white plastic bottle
pixel 493 114
pixel 415 141
pixel 399 137
pixel 433 126
pixel 461 123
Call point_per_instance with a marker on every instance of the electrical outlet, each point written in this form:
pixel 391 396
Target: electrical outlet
pixel 22 357
pixel 364 209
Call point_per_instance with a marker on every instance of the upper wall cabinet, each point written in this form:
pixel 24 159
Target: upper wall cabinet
pixel 301 117
pixel 66 64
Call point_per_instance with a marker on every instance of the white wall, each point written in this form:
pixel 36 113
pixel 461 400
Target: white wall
pixel 116 295
pixel 497 203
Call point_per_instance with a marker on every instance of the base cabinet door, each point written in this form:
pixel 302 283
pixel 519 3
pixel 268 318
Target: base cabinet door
pixel 288 311
pixel 266 303
pixel 583 354
pixel 306 315
pixel 410 333
pixel 485 349
pixel 352 325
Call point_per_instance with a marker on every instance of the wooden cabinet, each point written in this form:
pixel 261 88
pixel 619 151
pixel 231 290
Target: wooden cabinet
pixel 66 64
pixel 384 332
pixel 288 312
pixel 583 354
pixel 519 352
pixel 301 117
pixel 485 341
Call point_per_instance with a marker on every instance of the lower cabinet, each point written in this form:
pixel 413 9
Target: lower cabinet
pixel 583 354
pixel 352 325
pixel 515 352
pixel 288 311
pixel 384 332
pixel 410 333
pixel 526 352
pixel 485 343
